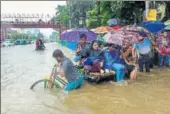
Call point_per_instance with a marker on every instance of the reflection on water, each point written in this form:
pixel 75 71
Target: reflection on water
pixel 21 66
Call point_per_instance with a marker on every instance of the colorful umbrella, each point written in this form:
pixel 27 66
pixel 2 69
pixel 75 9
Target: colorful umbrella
pixel 136 28
pixel 117 27
pixel 73 35
pixel 107 36
pixel 122 37
pixel 103 29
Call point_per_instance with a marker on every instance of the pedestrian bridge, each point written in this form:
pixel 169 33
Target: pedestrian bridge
pixel 29 21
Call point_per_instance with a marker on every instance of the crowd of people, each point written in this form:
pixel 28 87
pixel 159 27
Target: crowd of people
pixel 124 61
pixel 110 58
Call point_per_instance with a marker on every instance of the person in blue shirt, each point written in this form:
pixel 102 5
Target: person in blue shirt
pixel 110 56
pixel 143 49
pixel 111 62
pixel 82 49
pixel 94 59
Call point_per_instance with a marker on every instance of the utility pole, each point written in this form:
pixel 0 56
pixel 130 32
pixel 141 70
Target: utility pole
pixel 98 11
pixel 69 7
pixel 146 7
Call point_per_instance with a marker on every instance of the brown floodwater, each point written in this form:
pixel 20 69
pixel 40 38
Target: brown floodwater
pixel 21 66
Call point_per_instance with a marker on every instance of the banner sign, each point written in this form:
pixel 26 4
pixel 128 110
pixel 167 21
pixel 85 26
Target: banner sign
pixel 152 15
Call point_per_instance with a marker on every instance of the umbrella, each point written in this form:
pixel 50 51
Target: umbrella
pixel 106 36
pixel 92 30
pixel 73 35
pixel 121 37
pixel 100 38
pixel 167 22
pixel 117 27
pixel 103 29
pixel 112 22
pixel 153 26
pixel 168 34
pixel 167 27
pixel 134 28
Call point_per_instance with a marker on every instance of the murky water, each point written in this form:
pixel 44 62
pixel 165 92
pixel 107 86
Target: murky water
pixel 21 66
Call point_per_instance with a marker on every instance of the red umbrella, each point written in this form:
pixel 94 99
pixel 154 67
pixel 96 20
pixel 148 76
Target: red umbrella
pixel 117 27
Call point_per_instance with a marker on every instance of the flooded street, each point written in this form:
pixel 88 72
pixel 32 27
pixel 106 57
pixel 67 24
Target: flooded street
pixel 21 66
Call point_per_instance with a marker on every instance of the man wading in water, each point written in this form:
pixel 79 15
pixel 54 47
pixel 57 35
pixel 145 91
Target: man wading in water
pixel 68 70
pixel 143 49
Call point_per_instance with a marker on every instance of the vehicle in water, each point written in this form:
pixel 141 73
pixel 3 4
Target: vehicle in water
pixel 42 47
pixel 21 42
pixel 7 43
pixel 39 44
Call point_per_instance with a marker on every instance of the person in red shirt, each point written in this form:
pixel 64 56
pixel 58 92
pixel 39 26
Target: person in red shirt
pixel 163 49
pixel 37 43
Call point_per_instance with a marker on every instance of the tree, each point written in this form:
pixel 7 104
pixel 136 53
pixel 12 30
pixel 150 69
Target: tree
pixel 100 14
pixel 62 15
pixel 167 11
pixel 78 12
pixel 127 11
pixel 92 21
pixel 132 11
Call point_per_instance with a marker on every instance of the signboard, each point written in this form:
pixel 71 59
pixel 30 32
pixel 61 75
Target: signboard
pixel 152 15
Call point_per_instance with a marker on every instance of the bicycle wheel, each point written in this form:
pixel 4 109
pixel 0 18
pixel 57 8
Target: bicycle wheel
pixel 41 84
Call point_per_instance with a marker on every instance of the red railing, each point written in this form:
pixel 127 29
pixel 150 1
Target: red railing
pixel 28 21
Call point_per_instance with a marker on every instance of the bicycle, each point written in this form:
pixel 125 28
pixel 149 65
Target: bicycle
pixel 49 82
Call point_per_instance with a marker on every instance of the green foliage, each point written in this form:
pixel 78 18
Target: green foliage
pixel 167 11
pixel 62 15
pixel 127 11
pixel 92 18
pixel 17 35
pixel 97 13
pixel 105 18
pixel 78 12
pixel 92 23
pixel 115 8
